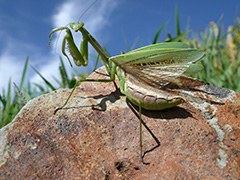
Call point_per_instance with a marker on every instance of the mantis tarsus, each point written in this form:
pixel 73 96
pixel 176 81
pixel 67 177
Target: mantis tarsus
pixel 141 72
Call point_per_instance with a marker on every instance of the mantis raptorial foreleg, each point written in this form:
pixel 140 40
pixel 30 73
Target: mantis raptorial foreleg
pixel 80 57
pixel 142 72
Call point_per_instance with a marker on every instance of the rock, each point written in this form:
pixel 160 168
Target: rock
pixel 96 136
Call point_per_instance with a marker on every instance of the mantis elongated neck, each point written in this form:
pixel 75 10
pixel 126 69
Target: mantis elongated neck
pixel 104 55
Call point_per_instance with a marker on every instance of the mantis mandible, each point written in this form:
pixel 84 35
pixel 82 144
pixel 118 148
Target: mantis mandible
pixel 141 72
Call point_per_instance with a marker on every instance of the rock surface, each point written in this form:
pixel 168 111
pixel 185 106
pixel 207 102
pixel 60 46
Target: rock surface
pixel 96 136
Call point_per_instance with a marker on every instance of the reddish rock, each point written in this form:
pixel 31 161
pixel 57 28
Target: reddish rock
pixel 96 136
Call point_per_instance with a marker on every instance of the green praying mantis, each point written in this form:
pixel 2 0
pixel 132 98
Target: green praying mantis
pixel 142 72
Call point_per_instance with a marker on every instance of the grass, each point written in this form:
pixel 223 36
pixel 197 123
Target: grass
pixel 12 103
pixel 222 62
pixel 221 66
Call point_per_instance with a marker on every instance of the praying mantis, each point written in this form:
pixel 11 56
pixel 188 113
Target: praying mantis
pixel 142 72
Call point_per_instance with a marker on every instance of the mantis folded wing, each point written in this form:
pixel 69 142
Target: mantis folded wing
pixel 142 72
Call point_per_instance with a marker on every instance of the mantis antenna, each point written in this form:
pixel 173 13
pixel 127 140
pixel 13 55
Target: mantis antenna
pixel 86 10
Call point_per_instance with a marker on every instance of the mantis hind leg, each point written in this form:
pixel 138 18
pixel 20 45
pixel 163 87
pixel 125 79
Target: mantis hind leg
pixel 140 135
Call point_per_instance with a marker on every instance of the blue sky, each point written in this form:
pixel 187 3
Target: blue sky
pixel 25 26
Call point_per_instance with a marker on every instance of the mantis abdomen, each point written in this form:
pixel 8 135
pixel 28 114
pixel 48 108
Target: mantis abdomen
pixel 146 96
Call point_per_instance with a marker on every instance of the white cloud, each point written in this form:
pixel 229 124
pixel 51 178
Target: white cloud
pixel 9 63
pixel 95 18
pixel 16 51
pixel 12 58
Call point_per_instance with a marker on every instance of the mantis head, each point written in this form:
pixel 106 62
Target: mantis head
pixel 76 26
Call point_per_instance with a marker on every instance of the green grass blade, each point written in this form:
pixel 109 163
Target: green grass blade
pixel 178 30
pixel 7 108
pixel 45 80
pixel 19 89
pixel 158 33
pixel 64 75
pixel 24 74
pixel 177 38
pixel 126 43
